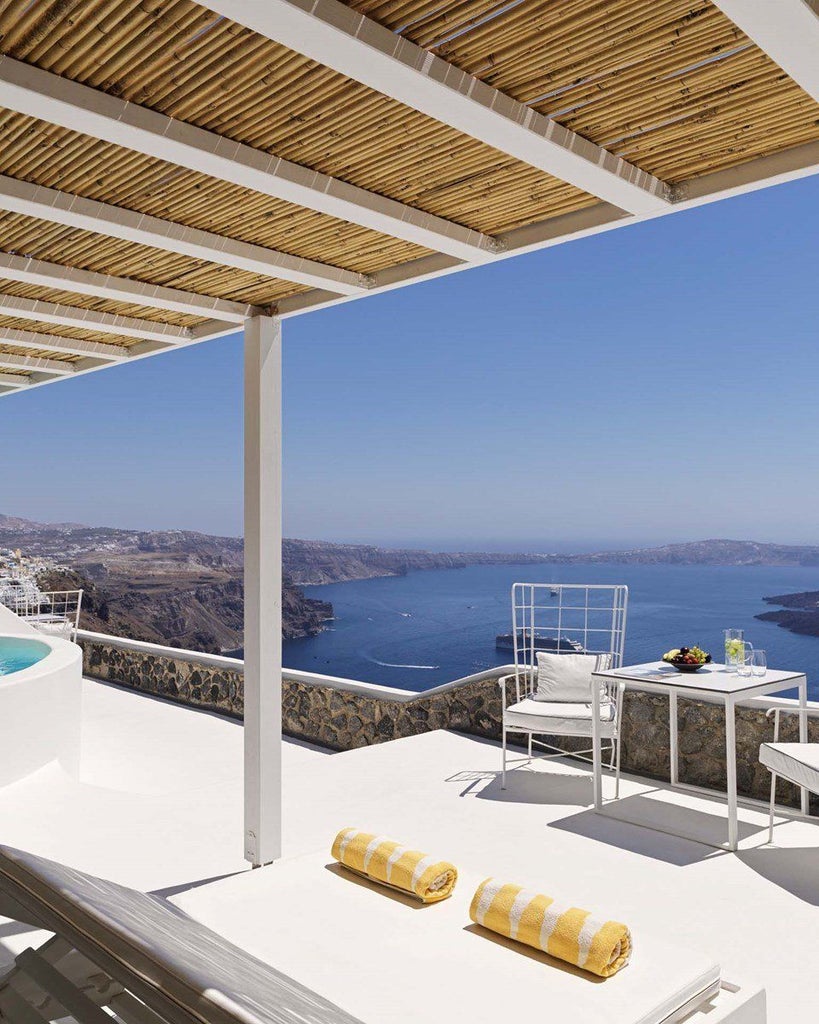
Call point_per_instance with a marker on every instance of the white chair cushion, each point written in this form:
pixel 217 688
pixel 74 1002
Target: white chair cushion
pixel 797 762
pixel 565 677
pixel 558 718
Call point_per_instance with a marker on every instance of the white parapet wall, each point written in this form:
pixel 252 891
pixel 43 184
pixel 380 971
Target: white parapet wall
pixel 40 708
pixel 344 713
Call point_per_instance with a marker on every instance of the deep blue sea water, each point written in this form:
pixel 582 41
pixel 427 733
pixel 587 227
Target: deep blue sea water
pixel 429 627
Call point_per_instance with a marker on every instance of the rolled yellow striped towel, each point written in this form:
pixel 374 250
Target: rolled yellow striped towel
pixel 386 861
pixel 568 933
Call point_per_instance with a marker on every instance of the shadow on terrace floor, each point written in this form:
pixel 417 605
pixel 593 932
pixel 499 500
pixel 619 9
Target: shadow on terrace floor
pixel 795 869
pixel 527 787
pixel 670 832
pixel 656 823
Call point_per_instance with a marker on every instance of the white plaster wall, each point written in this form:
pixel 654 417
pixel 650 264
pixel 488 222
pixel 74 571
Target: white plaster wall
pixel 40 711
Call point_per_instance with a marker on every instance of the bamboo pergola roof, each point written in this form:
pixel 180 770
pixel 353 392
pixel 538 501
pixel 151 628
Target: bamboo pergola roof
pixel 169 169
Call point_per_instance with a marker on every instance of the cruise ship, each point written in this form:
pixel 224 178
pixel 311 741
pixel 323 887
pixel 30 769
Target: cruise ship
pixel 558 644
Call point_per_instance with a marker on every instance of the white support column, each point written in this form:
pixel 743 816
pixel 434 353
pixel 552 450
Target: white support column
pixel 263 590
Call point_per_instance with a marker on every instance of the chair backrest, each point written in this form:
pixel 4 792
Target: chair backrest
pixel 183 971
pixel 567 618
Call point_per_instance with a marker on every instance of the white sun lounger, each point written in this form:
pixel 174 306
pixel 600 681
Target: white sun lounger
pixel 138 955
pixel 374 956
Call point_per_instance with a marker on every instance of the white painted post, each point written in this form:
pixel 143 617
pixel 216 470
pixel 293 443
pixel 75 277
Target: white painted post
pixel 263 590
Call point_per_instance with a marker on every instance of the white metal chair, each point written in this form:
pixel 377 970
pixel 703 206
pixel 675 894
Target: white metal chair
pixel 566 618
pixel 53 612
pixel 796 762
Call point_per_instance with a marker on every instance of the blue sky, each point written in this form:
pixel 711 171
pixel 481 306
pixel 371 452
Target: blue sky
pixel 654 383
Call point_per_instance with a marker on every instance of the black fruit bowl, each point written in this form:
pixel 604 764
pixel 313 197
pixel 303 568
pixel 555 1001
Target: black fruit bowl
pixel 682 666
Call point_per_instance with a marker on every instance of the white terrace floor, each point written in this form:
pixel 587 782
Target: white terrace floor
pixel 158 806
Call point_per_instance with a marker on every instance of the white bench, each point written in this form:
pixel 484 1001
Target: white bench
pixel 256 948
pixel 796 762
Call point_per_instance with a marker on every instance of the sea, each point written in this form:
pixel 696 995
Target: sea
pixel 417 631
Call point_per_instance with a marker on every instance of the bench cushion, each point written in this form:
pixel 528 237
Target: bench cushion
pixel 390 960
pixel 797 762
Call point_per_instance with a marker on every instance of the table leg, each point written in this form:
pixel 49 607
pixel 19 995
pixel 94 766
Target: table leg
pixel 673 740
pixel 731 768
pixel 597 761
pixel 803 730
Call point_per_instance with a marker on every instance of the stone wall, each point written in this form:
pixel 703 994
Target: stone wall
pixel 342 717
pixel 201 682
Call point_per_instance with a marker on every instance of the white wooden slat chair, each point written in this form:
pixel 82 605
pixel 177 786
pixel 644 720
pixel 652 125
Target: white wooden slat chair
pixel 564 619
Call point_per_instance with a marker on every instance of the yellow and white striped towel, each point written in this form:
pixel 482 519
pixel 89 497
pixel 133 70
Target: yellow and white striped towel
pixel 568 933
pixel 386 861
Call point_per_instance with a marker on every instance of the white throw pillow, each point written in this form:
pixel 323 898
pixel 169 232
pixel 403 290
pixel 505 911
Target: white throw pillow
pixel 567 677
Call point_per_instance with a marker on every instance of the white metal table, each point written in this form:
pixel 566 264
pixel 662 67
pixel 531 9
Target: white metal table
pixel 712 683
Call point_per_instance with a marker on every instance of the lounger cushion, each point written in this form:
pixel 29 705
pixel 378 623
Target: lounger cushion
pixel 558 719
pixel 388 960
pixel 155 951
pixel 798 762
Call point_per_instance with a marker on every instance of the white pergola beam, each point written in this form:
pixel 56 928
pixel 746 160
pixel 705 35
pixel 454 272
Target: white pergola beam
pixel 333 34
pixel 116 222
pixel 787 30
pixel 763 172
pixel 90 320
pixel 46 96
pixel 36 363
pixel 263 590
pixel 26 270
pixel 54 343
pixel 776 169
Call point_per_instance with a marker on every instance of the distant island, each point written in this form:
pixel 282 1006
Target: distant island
pixel 184 589
pixel 709 552
pixel 798 613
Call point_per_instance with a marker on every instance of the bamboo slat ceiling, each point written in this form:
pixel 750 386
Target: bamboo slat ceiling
pixel 673 87
pixel 95 252
pixel 14 323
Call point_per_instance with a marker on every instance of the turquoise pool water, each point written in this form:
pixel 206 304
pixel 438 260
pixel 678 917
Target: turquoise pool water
pixel 17 653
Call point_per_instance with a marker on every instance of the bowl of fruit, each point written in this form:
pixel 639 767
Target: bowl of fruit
pixel 687 659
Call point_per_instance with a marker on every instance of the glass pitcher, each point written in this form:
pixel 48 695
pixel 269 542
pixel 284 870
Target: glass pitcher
pixel 734 648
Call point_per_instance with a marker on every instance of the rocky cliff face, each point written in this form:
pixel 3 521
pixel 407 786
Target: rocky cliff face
pixel 711 552
pixel 184 589
pixel 187 609
pixel 302 616
pixel 311 562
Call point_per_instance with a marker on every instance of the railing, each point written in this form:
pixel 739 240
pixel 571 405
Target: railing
pixel 53 612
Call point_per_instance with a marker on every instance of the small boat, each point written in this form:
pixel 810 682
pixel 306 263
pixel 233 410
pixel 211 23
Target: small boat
pixel 554 591
pixel 558 645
